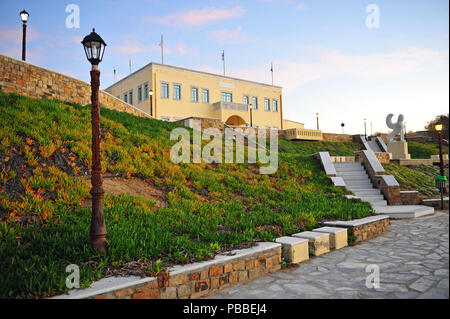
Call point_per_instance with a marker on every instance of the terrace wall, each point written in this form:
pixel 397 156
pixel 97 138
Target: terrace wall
pixel 32 81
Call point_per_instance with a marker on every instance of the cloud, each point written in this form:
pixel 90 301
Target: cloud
pixel 180 48
pixel 14 36
pixel 292 74
pixel 229 36
pixel 198 17
pixel 131 45
pixel 301 7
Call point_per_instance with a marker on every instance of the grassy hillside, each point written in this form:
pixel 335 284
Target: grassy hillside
pixel 420 177
pixel 311 147
pixel 424 149
pixel 45 151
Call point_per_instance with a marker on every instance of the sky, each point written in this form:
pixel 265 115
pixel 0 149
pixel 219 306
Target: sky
pixel 346 60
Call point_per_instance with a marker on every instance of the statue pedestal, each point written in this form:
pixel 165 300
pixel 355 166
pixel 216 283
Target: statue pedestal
pixel 399 150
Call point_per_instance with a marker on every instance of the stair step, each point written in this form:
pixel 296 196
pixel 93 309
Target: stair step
pixel 367 198
pixel 367 192
pixel 365 183
pixel 349 169
pixel 348 164
pixel 379 203
pixel 352 173
pixel 355 178
pixel 356 188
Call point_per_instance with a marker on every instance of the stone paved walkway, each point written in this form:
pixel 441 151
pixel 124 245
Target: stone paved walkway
pixel 412 258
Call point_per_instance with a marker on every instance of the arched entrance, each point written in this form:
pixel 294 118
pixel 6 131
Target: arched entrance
pixel 235 120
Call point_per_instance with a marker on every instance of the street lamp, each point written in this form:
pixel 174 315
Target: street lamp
pixel 250 106
pixel 438 128
pixel 365 128
pixel 94 47
pixel 317 118
pixel 24 16
pixel 440 180
pixel 150 93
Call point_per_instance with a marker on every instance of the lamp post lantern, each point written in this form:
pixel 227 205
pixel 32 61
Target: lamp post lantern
pixel 94 47
pixel 24 16
pixel 150 93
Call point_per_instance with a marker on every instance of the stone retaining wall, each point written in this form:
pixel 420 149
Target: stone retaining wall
pixel 332 137
pixel 436 203
pixel 365 228
pixel 196 280
pixel 32 81
pixel 410 197
pixel 383 158
pixel 370 230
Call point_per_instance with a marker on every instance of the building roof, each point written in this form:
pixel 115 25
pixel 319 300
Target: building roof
pixel 149 65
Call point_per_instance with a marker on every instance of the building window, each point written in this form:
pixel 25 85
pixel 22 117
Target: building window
pixel 275 106
pixel 267 105
pixel 131 97
pixel 254 102
pixel 194 94
pixel 145 91
pixel 205 95
pixel 177 92
pixel 227 97
pixel 246 99
pixel 165 90
pixel 125 97
pixel 139 93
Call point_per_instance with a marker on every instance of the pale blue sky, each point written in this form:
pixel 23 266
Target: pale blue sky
pixel 324 56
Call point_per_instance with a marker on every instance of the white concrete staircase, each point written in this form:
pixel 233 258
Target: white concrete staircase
pixel 357 180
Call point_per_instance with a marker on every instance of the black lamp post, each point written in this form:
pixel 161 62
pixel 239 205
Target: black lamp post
pixel 441 180
pixel 150 92
pixel 317 118
pixel 94 47
pixel 365 128
pixel 24 16
pixel 250 106
pixel 438 128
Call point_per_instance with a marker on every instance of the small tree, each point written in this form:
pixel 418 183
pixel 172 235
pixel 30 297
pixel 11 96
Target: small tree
pixel 440 119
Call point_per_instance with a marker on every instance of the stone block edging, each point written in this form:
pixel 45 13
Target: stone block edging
pixel 189 281
pixel 364 228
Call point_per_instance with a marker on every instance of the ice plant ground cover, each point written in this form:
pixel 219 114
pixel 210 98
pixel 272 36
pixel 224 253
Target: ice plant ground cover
pixel 45 153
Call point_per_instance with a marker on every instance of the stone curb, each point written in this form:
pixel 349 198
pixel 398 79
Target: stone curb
pixel 189 281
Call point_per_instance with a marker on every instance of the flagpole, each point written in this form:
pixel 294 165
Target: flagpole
pixel 162 49
pixel 271 70
pixel 223 59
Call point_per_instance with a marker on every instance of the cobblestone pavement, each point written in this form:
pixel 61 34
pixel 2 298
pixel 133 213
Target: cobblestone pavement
pixel 412 259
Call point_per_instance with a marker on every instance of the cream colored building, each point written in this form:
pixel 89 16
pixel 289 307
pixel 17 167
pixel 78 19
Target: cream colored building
pixel 172 93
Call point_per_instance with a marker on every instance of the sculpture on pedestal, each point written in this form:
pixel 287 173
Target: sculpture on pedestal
pixel 398 149
pixel 398 128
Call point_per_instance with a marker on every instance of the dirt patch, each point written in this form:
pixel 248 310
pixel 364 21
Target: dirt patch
pixel 115 185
